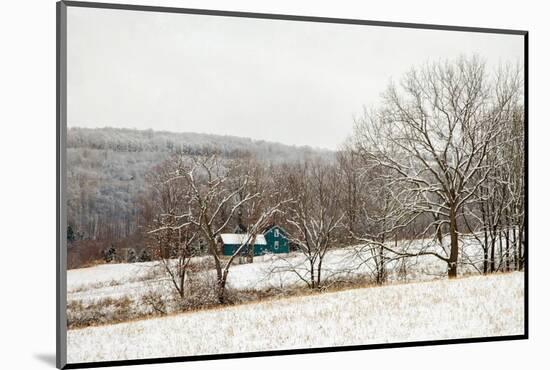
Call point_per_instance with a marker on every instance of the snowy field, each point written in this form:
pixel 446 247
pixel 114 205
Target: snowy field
pixel 477 306
pixel 132 281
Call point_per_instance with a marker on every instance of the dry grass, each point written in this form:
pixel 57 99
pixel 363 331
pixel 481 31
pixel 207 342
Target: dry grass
pixel 91 263
pixel 200 297
pixel 105 311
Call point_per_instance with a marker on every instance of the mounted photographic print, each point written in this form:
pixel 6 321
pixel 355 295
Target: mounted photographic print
pixel 238 184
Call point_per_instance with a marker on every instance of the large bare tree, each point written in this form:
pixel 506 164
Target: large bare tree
pixel 433 135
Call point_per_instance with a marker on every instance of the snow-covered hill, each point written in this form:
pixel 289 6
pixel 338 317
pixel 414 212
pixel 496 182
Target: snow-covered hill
pixel 478 306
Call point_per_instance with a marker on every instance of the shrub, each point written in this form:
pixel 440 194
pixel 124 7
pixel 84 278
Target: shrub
pixel 110 255
pixel 155 302
pixel 131 256
pixel 145 255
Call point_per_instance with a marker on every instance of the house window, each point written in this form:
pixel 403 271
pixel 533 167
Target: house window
pixel 276 245
pixel 276 233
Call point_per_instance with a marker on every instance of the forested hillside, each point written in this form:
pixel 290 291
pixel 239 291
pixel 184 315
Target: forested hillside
pixel 107 168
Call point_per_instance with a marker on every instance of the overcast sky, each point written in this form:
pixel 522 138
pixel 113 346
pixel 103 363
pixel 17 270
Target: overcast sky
pixel 291 82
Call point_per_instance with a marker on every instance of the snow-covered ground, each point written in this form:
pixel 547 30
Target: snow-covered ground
pixel 477 306
pixel 117 281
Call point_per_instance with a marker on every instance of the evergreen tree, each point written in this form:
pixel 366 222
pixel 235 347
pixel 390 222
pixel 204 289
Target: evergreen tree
pixel 71 236
pixel 109 255
pixel 144 256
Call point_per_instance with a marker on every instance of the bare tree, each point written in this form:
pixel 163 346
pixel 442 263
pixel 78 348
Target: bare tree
pixel 249 213
pixel 217 192
pixel 354 185
pixel 495 217
pixel 172 232
pixel 433 136
pixel 314 218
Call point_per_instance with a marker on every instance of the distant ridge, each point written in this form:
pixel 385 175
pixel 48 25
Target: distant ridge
pixel 132 140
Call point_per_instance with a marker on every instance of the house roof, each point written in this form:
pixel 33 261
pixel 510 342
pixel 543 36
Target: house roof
pixel 239 239
pixel 275 226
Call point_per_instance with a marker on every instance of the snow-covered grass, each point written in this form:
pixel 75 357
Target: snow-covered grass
pixel 90 285
pixel 477 306
pixel 120 292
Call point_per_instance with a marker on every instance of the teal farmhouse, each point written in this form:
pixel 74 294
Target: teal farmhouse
pixel 273 240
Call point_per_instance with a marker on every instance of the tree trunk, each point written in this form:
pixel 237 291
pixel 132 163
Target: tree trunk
pixel 500 250
pixel 485 238
pixel 453 258
pixel 493 245
pixel 381 268
pixel 220 281
pixel 515 248
pixel 182 284
pixel 312 274
pixel 250 250
pixel 507 249
pixel 221 289
pixel 485 256
pixel 382 277
pixel 319 273
pixel 521 248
